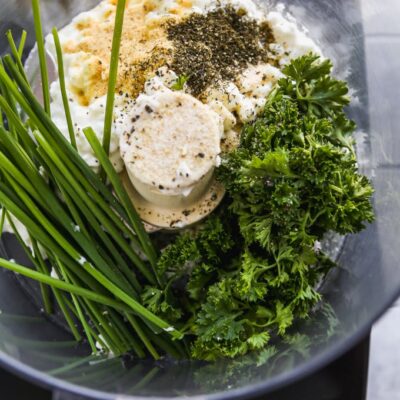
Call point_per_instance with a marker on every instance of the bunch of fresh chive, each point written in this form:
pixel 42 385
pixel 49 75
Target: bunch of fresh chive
pixel 84 222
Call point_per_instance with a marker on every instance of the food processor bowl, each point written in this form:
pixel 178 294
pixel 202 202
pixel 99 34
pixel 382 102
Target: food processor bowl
pixel 40 349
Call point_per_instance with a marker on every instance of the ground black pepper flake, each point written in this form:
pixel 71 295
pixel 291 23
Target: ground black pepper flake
pixel 217 45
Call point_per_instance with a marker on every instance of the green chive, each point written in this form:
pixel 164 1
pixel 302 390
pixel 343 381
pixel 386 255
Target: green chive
pixel 42 54
pixel 112 79
pixel 83 242
pixel 61 77
pixel 10 100
pixel 132 342
pixel 123 196
pixel 61 302
pixel 59 284
pixel 70 199
pixel 76 192
pixel 142 336
pixel 2 220
pixel 14 119
pixel 142 311
pixel 22 42
pixel 78 309
pixel 43 288
pixel 41 267
pixel 15 54
pixel 45 125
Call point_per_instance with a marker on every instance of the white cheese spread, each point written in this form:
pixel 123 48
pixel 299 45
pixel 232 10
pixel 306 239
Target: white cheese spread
pixel 91 115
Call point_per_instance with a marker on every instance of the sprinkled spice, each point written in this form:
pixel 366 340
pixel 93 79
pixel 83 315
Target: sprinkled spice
pixel 134 73
pixel 217 45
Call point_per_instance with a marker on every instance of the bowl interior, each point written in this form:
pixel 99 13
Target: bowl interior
pixel 355 294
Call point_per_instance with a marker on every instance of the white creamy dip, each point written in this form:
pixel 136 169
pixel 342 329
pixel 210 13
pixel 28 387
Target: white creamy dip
pixel 171 7
pixel 91 115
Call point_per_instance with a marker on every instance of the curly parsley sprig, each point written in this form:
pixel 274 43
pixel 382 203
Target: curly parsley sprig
pixel 293 178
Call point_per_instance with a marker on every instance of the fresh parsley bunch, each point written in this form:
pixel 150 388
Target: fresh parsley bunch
pixel 252 268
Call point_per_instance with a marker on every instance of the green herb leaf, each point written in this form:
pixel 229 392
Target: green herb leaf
pixel 180 82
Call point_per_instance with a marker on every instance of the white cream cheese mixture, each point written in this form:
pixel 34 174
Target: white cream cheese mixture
pixel 235 102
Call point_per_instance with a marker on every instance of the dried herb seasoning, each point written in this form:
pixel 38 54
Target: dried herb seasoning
pixel 217 45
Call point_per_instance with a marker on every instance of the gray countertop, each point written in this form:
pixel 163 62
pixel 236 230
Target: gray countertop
pixel 384 364
pixel 383 34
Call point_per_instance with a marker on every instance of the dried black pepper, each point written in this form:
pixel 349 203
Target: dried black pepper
pixel 217 45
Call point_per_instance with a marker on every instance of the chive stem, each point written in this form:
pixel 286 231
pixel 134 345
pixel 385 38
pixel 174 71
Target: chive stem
pixel 59 284
pixel 143 337
pixel 43 288
pixel 22 42
pixel 61 77
pixel 124 198
pixel 78 309
pixel 42 54
pixel 16 54
pixel 112 80
pixel 2 220
pixel 61 302
pixel 41 267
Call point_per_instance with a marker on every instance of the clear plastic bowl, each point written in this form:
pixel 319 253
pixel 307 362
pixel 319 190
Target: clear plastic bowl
pixel 360 36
